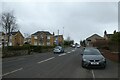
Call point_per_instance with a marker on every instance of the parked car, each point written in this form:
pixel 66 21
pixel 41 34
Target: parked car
pixel 58 49
pixel 93 58
pixel 73 45
pixel 78 46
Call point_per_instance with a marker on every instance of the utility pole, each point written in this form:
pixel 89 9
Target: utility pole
pixel 63 36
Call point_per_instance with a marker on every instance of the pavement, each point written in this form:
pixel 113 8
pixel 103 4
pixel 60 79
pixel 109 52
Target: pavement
pixel 50 65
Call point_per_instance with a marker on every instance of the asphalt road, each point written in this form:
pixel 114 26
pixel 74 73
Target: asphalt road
pixel 49 65
pixel 0 62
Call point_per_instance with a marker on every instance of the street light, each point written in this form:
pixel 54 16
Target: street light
pixel 63 36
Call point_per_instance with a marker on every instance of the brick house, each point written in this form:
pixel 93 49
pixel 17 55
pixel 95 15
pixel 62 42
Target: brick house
pixel 93 39
pixel 58 39
pixel 42 38
pixel 16 39
pixel 108 36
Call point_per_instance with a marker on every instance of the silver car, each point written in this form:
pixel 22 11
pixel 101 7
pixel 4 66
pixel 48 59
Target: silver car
pixel 58 49
pixel 93 58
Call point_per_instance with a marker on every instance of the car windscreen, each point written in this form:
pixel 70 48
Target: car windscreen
pixel 58 47
pixel 91 52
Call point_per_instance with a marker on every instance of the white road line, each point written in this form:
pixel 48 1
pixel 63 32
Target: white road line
pixel 73 50
pixel 12 72
pixel 93 74
pixel 46 60
pixel 68 52
pixel 62 54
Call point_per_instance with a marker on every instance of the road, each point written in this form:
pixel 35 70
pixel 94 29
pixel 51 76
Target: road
pixel 0 62
pixel 49 65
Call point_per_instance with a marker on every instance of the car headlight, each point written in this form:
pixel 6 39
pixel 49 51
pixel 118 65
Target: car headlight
pixel 84 60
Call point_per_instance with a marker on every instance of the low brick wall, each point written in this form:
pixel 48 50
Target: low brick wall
pixel 110 55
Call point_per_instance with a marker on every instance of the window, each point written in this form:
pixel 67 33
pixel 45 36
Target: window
pixel 41 36
pixel 48 37
pixel 35 43
pixel 10 43
pixel 48 43
pixel 35 37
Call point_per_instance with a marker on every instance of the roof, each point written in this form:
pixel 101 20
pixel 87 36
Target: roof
pixel 58 35
pixel 109 35
pixel 13 33
pixel 2 33
pixel 97 37
pixel 39 32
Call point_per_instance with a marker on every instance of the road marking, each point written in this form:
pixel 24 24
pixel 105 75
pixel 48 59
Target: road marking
pixel 12 72
pixel 73 50
pixel 68 52
pixel 62 54
pixel 46 60
pixel 93 74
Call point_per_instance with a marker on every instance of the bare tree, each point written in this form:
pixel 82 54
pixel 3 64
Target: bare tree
pixel 8 22
pixel 68 38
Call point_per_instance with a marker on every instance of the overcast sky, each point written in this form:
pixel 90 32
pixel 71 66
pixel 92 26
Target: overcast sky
pixel 78 20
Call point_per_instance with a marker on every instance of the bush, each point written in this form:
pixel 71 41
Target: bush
pixel 105 47
pixel 24 50
pixel 41 48
pixel 10 48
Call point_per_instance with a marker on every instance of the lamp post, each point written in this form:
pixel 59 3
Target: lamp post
pixel 63 36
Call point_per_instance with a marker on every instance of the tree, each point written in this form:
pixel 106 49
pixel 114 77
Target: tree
pixel 8 22
pixel 105 32
pixel 115 38
pixel 82 43
pixel 68 38
pixel 68 43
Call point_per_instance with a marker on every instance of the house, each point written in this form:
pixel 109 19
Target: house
pixel 92 39
pixel 42 38
pixel 108 36
pixel 16 39
pixel 27 40
pixel 58 39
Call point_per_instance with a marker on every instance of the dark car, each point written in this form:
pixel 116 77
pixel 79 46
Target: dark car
pixel 93 58
pixel 58 49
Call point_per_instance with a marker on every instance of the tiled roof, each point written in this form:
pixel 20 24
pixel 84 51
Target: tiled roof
pixel 109 35
pixel 13 33
pixel 94 35
pixel 46 32
pixel 58 35
pixel 2 33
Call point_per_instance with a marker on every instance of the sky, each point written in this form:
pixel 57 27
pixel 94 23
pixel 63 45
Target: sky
pixel 78 20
